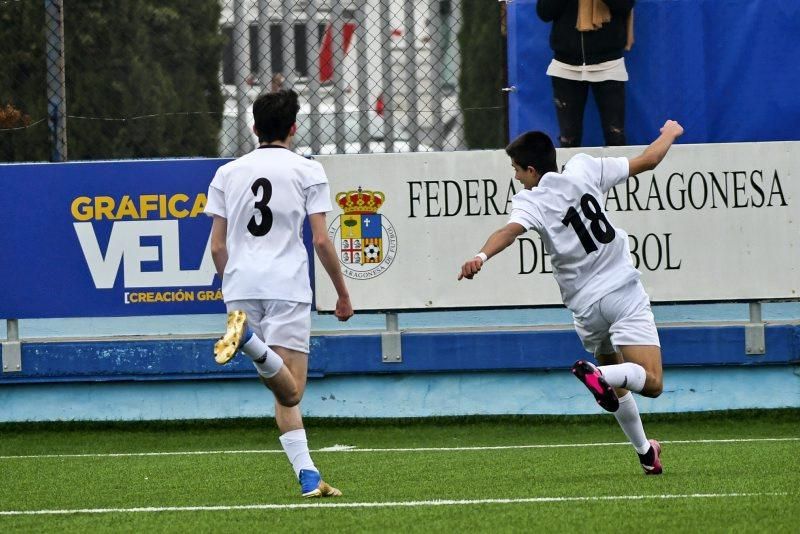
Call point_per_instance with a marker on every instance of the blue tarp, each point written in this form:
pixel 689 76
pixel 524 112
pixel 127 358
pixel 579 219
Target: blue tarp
pixel 728 71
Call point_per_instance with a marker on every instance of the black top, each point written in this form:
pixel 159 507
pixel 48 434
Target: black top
pixel 585 48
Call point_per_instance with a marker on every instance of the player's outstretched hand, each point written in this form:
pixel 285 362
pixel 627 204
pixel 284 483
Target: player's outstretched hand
pixel 672 128
pixel 344 309
pixel 470 268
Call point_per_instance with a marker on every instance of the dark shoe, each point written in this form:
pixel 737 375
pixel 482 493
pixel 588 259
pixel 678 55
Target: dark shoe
pixel 651 460
pixel 593 379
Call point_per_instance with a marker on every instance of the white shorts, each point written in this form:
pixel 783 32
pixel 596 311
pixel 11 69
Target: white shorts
pixel 281 323
pixel 623 317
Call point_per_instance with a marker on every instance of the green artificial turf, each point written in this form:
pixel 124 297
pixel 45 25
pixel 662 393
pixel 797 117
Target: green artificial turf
pixel 711 486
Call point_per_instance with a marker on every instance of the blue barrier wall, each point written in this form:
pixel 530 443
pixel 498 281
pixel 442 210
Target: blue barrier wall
pixel 396 395
pixel 726 70
pixel 350 354
pixel 442 374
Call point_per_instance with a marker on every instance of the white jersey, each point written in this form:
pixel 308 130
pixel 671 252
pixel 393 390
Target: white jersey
pixel 590 257
pixel 265 196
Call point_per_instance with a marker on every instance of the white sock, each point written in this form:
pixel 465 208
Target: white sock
pixel 266 360
pixel 628 418
pixel 295 445
pixel 625 375
pixel 254 346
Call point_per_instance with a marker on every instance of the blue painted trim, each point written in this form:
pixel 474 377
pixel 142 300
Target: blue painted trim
pixel 543 350
pixel 182 359
pixel 420 395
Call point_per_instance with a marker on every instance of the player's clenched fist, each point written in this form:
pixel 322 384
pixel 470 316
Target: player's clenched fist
pixel 344 309
pixel 672 128
pixel 470 268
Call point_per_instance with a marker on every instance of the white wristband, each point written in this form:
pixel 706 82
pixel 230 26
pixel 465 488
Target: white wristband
pixel 482 256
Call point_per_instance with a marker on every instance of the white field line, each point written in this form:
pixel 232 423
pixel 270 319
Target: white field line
pixel 388 504
pixel 353 448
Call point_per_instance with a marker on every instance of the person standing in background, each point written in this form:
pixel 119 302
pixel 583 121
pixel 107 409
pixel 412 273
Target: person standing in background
pixel 588 38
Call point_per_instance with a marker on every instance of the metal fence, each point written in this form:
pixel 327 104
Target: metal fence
pixel 109 79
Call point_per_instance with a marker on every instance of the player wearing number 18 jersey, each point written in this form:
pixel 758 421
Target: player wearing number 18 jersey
pixel 592 265
pixel 259 203
pixel 590 256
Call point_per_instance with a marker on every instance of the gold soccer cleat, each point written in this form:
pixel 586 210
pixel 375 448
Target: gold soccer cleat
pixel 326 490
pixel 312 485
pixel 225 349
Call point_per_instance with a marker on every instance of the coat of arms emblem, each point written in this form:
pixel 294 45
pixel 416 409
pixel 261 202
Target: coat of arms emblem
pixel 366 240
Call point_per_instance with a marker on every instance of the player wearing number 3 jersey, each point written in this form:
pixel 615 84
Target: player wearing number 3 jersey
pixel 259 203
pixel 592 265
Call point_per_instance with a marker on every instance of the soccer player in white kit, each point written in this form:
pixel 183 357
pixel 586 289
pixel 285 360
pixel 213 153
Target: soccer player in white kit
pixel 592 265
pixel 259 203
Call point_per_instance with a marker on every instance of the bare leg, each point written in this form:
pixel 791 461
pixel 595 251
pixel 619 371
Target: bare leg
pixel 287 415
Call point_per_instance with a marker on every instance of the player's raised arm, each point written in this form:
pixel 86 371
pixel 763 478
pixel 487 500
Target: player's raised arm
pixel 496 243
pixel 653 154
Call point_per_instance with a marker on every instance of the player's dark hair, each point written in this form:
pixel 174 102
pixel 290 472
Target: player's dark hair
pixel 533 149
pixel 274 114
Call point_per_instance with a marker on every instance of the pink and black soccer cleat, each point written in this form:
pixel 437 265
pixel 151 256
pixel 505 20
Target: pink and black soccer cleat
pixel 593 379
pixel 651 460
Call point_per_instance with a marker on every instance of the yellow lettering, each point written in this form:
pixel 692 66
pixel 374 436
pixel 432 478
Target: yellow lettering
pixel 145 206
pixel 162 206
pixel 127 209
pixel 82 209
pixel 199 205
pixel 104 207
pixel 147 203
pixel 173 209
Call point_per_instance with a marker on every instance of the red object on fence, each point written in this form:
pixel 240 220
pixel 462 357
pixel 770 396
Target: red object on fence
pixel 326 50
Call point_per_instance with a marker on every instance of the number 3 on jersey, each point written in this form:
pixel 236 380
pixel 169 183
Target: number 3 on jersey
pixel 261 187
pixel 599 225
